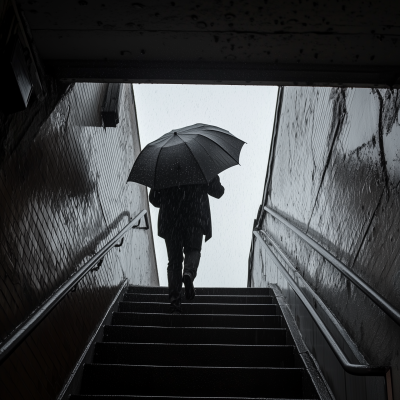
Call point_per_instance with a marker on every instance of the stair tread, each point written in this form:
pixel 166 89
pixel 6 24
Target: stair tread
pixel 207 295
pixel 109 397
pixel 205 304
pixel 259 346
pixel 201 335
pixel 199 327
pixel 203 381
pixel 198 315
pixel 203 367
pixel 200 354
pixel 197 320
pixel 202 290
pixel 200 308
pixel 225 299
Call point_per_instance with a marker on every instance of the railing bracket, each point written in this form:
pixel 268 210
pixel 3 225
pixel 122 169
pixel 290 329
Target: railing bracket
pixel 120 244
pixel 98 265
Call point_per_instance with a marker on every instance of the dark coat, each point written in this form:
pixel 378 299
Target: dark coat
pixel 185 207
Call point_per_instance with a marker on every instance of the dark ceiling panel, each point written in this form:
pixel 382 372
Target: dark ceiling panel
pixel 331 39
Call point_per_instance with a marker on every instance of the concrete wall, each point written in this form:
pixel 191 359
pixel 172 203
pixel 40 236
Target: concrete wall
pixel 63 195
pixel 335 174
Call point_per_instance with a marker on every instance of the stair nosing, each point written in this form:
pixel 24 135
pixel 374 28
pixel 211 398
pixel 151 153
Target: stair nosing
pixel 194 366
pixel 202 287
pixel 122 396
pixel 204 295
pixel 197 344
pixel 183 314
pixel 192 327
pixel 203 304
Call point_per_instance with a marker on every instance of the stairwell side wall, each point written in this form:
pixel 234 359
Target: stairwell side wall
pixel 63 195
pixel 336 176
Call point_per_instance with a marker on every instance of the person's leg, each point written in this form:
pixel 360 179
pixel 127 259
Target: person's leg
pixel 192 251
pixel 192 261
pixel 175 257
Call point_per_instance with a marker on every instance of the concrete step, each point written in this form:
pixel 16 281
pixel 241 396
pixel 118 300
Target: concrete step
pixel 227 345
pixel 163 298
pixel 150 334
pixel 194 355
pixel 200 308
pixel 197 320
pixel 206 291
pixel 191 381
pixel 123 397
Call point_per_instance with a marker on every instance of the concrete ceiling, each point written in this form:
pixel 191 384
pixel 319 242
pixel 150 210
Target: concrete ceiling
pixel 255 42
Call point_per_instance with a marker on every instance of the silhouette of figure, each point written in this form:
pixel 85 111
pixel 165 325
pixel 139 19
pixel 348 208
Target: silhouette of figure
pixel 183 219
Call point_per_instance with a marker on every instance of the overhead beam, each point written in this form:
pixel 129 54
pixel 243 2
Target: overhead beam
pixel 225 73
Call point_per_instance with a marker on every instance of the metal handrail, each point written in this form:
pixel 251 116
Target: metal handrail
pixel 353 369
pixel 27 327
pixel 355 279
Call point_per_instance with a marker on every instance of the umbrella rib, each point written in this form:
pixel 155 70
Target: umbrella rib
pixel 158 156
pixel 237 162
pixel 155 169
pixel 134 162
pixel 227 134
pixel 204 149
pixel 194 158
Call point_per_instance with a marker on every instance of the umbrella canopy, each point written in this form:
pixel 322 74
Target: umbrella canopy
pixel 187 156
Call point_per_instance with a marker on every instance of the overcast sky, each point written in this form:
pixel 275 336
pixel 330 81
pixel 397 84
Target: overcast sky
pixel 248 113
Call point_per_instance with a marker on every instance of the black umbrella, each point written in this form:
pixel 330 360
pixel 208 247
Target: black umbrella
pixel 187 156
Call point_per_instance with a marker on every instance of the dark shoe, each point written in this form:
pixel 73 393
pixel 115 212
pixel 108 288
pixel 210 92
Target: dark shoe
pixel 189 288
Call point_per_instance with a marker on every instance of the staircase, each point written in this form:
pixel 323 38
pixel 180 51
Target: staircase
pixel 229 343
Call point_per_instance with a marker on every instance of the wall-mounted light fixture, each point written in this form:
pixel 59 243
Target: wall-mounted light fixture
pixel 110 108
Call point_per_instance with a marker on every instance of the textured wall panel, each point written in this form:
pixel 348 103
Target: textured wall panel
pixel 336 176
pixel 61 199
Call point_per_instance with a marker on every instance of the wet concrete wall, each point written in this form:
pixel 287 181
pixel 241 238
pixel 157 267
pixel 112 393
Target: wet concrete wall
pixel 63 195
pixel 335 174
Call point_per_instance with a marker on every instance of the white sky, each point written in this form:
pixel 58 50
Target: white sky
pixel 248 113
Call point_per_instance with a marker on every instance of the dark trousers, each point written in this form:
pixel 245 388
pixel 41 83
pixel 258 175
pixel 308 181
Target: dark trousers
pixel 186 243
